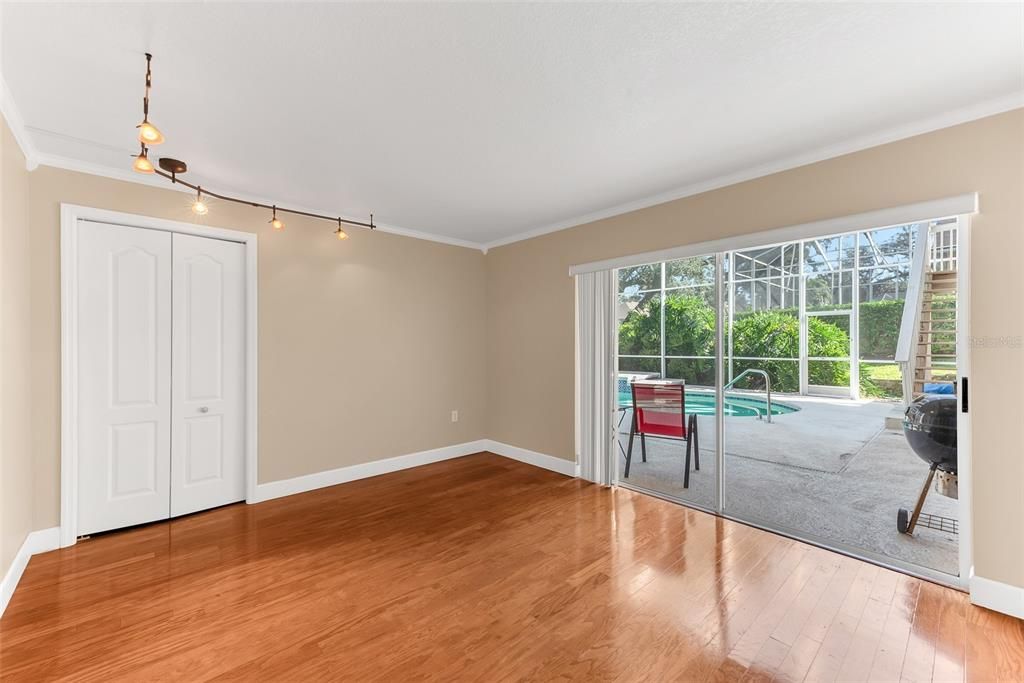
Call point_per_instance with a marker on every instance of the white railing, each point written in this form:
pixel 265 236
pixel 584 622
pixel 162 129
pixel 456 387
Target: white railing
pixel 942 251
pixel 911 321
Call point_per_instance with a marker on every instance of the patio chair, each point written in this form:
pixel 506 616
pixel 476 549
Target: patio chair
pixel 659 410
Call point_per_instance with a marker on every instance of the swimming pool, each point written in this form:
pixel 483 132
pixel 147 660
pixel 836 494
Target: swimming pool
pixel 703 403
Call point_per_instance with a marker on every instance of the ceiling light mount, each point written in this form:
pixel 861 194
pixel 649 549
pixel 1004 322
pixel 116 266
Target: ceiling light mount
pixel 172 168
pixel 173 165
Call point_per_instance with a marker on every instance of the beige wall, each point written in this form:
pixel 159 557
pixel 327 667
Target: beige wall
pixel 365 346
pixel 15 381
pixel 530 295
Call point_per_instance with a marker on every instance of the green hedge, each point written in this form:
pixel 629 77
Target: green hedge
pixel 880 328
pixel 776 334
pixel 689 328
pixel 690 331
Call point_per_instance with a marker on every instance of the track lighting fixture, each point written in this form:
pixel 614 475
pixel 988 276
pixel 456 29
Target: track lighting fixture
pixel 148 133
pixel 172 168
pixel 142 164
pixel 199 207
pixel 275 222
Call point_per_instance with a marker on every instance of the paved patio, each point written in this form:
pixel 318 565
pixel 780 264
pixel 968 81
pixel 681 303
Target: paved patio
pixel 830 470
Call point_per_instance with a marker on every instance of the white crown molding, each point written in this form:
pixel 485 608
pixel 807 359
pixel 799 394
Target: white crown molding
pixel 17 125
pixel 933 123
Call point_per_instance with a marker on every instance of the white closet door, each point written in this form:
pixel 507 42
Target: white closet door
pixel 208 437
pixel 124 376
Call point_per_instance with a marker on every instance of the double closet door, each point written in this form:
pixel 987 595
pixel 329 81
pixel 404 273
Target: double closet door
pixel 161 379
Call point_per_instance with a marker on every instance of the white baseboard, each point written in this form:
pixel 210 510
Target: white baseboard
pixel 319 480
pixel 998 596
pixel 548 462
pixel 36 542
pixel 309 482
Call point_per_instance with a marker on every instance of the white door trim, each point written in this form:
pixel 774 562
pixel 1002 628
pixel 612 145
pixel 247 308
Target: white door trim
pixel 898 215
pixel 965 453
pixel 70 214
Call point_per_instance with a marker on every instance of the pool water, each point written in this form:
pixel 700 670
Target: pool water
pixel 703 403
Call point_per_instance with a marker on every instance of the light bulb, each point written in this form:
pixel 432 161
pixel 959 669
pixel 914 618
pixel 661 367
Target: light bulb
pixel 341 234
pixel 275 222
pixel 199 207
pixel 149 134
pixel 142 164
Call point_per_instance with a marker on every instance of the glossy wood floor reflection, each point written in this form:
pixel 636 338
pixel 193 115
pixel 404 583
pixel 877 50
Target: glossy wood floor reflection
pixel 486 569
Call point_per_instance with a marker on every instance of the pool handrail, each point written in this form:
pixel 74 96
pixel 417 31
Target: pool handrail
pixel 767 385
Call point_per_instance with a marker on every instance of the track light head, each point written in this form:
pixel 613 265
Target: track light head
pixel 199 207
pixel 149 134
pixel 339 233
pixel 275 222
pixel 142 164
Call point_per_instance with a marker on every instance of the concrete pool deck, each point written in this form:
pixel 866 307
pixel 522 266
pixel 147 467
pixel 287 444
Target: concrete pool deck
pixel 830 470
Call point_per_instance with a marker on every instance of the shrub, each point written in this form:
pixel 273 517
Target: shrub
pixel 772 334
pixel 880 328
pixel 776 334
pixel 689 328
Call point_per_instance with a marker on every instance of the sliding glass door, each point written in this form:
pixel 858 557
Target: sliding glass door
pixel 667 334
pixel 787 356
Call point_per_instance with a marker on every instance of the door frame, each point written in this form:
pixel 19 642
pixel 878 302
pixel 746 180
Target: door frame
pixel 806 359
pixel 70 214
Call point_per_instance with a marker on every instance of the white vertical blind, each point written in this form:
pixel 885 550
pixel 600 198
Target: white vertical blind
pixel 595 340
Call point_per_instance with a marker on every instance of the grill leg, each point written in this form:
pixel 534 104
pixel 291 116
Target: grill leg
pixel 920 500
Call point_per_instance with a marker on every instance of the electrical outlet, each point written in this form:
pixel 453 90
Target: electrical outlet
pixel 455 416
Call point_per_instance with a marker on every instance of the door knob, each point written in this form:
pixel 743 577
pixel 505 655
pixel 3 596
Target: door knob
pixel 204 409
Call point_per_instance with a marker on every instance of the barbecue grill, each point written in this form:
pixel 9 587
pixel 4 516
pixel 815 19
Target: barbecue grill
pixel 930 428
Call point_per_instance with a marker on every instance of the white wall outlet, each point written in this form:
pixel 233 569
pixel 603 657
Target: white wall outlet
pixel 455 416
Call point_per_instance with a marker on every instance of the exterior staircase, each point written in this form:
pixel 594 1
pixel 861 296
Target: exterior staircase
pixel 935 349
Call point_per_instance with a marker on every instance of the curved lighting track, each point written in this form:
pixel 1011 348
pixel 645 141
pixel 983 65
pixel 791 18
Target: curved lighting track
pixel 149 134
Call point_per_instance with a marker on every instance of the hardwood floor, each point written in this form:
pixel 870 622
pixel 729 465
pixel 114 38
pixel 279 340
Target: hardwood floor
pixel 483 568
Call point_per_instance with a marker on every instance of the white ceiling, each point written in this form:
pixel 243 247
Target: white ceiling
pixel 481 122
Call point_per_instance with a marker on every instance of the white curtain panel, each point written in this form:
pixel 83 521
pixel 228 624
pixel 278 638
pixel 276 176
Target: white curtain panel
pixel 595 343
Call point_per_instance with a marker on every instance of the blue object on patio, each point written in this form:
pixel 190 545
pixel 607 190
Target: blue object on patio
pixel 938 388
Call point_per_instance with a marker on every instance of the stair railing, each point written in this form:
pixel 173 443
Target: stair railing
pixel 910 323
